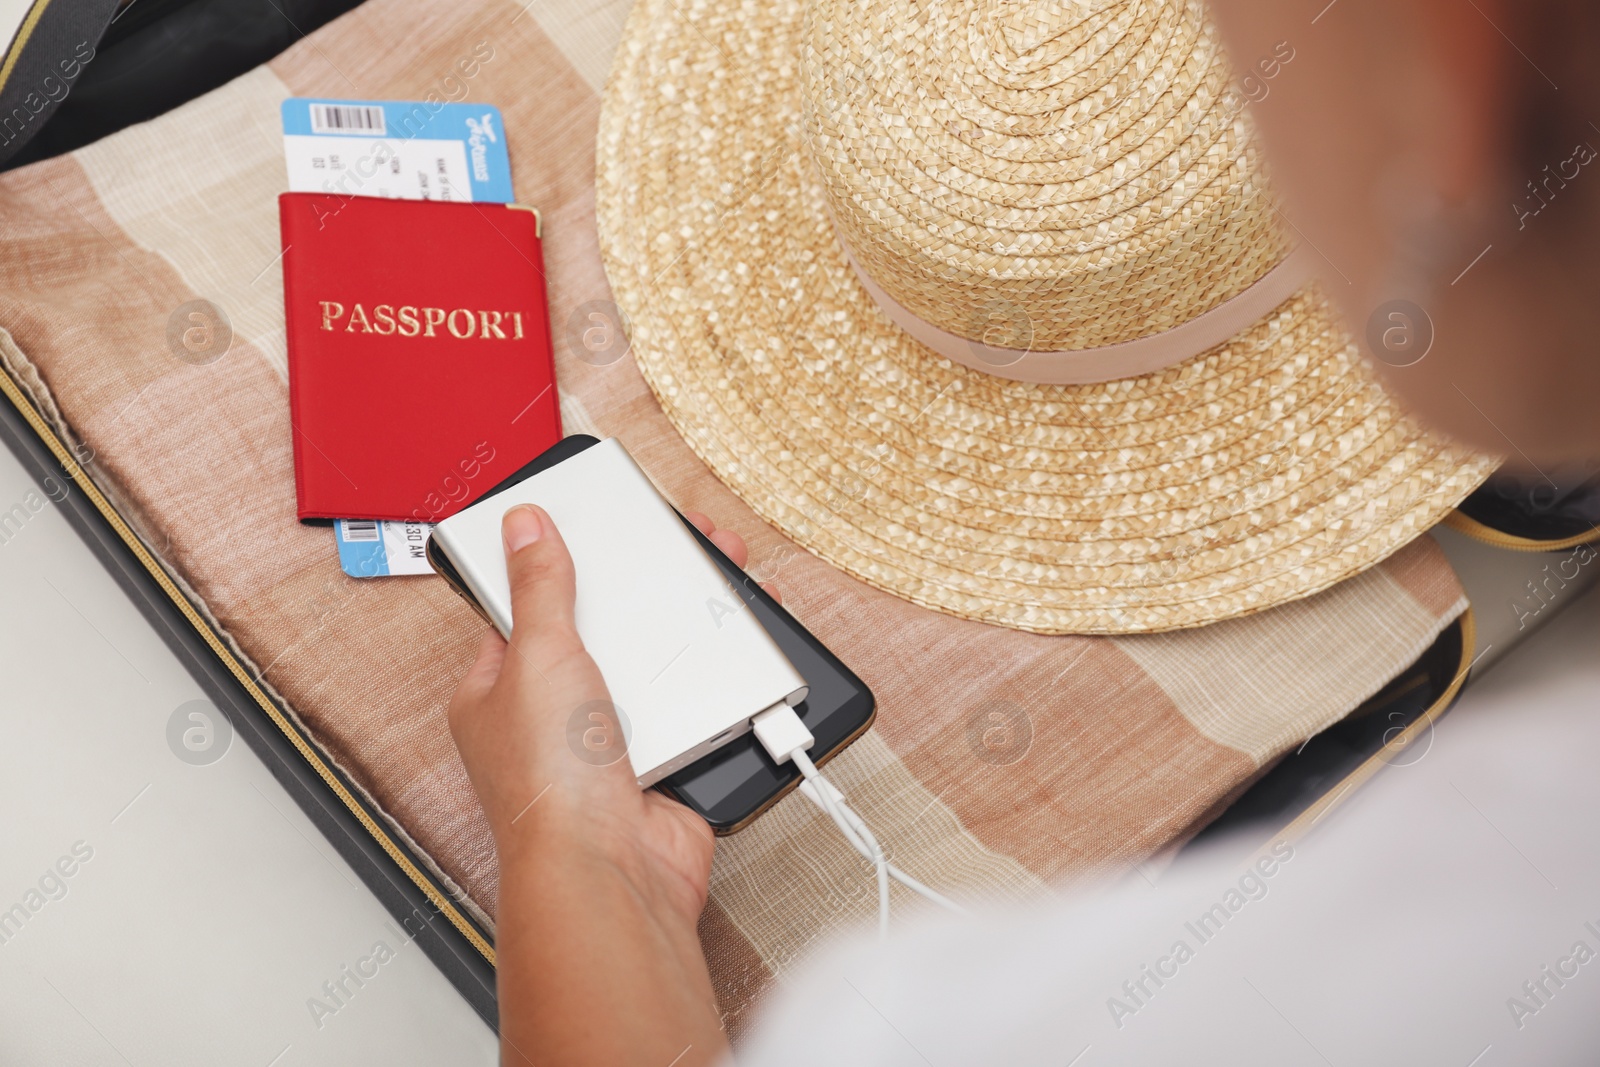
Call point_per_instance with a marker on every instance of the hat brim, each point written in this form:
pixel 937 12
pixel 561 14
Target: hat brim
pixel 1260 472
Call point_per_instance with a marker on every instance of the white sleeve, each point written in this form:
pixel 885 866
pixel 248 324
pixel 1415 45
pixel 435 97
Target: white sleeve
pixel 1408 928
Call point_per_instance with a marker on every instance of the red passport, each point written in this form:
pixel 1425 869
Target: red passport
pixel 420 370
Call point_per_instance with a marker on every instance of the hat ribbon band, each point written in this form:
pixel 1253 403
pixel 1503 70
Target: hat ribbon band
pixel 1128 359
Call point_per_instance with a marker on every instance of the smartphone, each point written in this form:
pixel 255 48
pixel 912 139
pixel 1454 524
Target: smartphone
pixel 737 782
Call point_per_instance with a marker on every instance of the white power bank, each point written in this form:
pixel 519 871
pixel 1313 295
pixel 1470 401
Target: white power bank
pixel 686 662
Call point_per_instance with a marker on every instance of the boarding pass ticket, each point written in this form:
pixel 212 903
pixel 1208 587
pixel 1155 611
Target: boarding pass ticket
pixel 372 549
pixel 397 149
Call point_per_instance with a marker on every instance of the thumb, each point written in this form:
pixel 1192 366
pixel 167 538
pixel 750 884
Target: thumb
pixel 543 585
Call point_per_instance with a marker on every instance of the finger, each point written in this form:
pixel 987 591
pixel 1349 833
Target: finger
pixel 772 591
pixel 732 546
pixel 701 521
pixel 486 666
pixel 694 824
pixel 543 586
pixel 480 677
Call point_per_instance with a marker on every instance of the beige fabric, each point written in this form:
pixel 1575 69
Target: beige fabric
pixel 1114 768
pixel 586 32
pixel 1203 674
pixel 205 218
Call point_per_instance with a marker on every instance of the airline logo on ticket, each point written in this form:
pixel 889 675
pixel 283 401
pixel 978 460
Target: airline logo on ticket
pixel 371 549
pixel 403 150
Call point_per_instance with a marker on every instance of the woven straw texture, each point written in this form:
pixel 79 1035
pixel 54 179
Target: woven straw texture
pixel 1262 471
pixel 1064 176
pixel 1109 749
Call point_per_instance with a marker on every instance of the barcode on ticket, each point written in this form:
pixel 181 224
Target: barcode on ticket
pixel 360 530
pixel 347 118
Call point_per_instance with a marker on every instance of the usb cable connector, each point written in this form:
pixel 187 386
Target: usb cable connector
pixel 786 739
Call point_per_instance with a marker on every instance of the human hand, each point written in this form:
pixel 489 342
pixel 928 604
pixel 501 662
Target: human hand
pixel 602 884
pixel 533 722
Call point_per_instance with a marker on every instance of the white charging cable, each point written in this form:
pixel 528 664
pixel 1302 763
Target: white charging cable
pixel 786 738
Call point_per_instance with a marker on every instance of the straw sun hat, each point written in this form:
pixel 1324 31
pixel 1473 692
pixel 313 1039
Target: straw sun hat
pixel 986 303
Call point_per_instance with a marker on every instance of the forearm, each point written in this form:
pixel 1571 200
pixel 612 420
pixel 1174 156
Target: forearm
pixel 592 971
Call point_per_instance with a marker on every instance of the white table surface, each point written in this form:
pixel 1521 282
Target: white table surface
pixel 210 910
